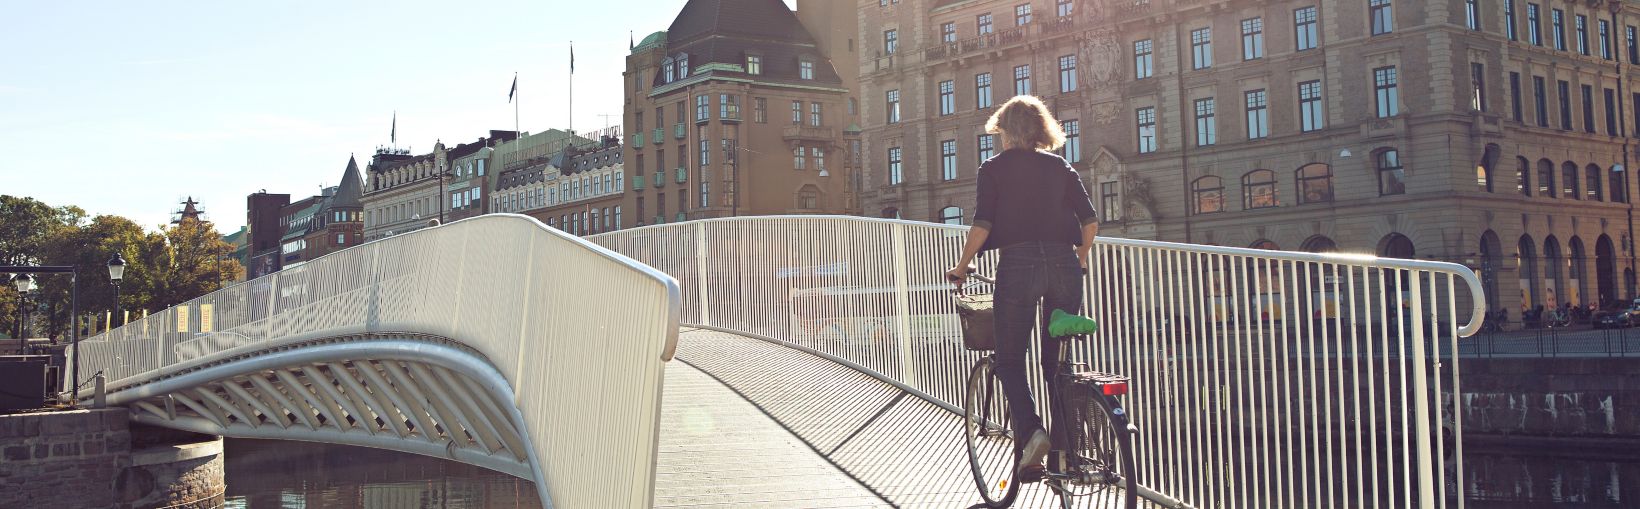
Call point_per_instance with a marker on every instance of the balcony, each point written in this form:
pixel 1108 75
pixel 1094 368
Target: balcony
pixel 678 132
pixel 988 42
pixel 681 217
pixel 660 179
pixel 683 175
pixel 637 140
pixel 1057 26
pixel 660 134
pixel 637 182
pixel 660 220
pixel 806 133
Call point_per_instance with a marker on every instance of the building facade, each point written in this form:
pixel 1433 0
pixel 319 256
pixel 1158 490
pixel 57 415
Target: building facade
pixel 737 109
pixel 405 192
pixel 1488 133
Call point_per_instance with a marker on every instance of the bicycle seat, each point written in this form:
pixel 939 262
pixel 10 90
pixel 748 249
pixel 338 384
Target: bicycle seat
pixel 1062 324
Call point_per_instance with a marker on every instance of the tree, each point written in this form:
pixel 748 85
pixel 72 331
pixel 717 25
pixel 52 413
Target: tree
pixel 189 260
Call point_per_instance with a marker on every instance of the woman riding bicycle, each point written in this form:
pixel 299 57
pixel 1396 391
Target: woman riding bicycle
pixel 1033 208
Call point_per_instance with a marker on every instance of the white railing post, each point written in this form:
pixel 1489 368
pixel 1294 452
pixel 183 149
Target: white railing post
pixel 1420 397
pixel 902 307
pixel 700 273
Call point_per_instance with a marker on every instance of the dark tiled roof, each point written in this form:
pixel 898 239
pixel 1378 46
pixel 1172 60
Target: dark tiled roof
pixel 348 191
pixel 762 19
pixel 596 159
pixel 725 31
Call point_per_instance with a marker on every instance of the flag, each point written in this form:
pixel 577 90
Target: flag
pixel 393 135
pixel 514 88
pixel 572 57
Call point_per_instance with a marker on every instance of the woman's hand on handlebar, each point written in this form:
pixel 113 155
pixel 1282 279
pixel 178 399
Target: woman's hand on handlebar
pixel 959 274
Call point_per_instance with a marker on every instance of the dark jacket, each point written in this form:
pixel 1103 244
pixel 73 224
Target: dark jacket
pixel 1030 195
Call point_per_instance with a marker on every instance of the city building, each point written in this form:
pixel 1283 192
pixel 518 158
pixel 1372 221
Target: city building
pixel 1491 134
pixel 405 192
pixel 702 96
pixel 280 234
pixel 264 220
pixel 469 173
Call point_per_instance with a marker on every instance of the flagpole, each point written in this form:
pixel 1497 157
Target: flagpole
pixel 515 106
pixel 572 87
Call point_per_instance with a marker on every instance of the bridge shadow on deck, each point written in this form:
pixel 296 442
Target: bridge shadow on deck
pixel 906 451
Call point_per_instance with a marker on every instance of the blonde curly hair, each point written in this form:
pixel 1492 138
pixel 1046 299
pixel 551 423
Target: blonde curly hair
pixel 1024 122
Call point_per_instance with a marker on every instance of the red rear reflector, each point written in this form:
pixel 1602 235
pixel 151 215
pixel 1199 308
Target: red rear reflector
pixel 1116 389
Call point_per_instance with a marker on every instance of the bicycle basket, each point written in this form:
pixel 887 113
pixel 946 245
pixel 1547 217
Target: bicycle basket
pixel 977 319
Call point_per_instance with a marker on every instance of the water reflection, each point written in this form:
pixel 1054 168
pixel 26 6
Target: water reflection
pixel 299 475
pixel 1509 479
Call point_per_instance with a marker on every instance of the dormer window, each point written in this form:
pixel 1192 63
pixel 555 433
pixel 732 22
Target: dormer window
pixel 805 68
pixel 683 65
pixel 668 65
pixel 754 64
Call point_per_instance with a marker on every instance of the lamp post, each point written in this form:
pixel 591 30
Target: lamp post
pixel 116 272
pixel 24 283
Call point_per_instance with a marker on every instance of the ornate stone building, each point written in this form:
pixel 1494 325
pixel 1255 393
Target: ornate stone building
pixel 1492 133
pixel 739 109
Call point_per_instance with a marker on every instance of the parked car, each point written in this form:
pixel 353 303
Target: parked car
pixel 1613 319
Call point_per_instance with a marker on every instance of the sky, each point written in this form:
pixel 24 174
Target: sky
pixel 129 107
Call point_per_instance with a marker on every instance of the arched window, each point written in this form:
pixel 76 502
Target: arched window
pixel 1209 195
pixel 666 66
pixel 951 215
pixel 1265 244
pixel 1396 245
pixel 891 213
pixel 1319 244
pixel 1530 292
pixel 1546 178
pixel 1591 182
pixel 808 197
pixel 1523 170
pixel 1258 190
pixel 1569 179
pixel 1314 183
pixel 1391 176
pixel 1618 186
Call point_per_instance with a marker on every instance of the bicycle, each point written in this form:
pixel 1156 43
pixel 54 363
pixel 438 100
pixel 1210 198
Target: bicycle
pixel 1557 318
pixel 1099 434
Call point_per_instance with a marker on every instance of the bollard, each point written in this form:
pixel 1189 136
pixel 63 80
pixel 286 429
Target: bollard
pixel 101 398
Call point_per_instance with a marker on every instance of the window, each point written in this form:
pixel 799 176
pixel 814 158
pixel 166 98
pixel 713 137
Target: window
pixel 894 176
pixel 1206 132
pixel 729 106
pixel 805 69
pixel 816 114
pixel 982 24
pixel 808 197
pixel 1022 14
pixel 948 32
pixel 1509 20
pixel 853 107
pixel 703 108
pixel 1304 28
pixel 1201 48
pixel 1258 115
pixel 1588 109
pixel 1477 86
pixel 1546 178
pixel 1541 100
pixel 1110 201
pixel 1534 25
pixel 1391 177
pixel 819 155
pixel 891 41
pixel 1073 140
pixel 982 90
pixel 705 194
pixel 1569 179
pixel 640 210
pixel 893 106
pixel 1558 22
pixel 1309 105
pixel 754 65
pixel 1616 183
pixel 1022 80
pixel 1064 7
pixel 1635 101
pixel 760 110
pixel 1591 184
pixel 1472 14
pixel 948 97
pixel 1581 24
pixel 1143 60
pixel 1252 38
pixel 1146 118
pixel 1514 96
pixel 1605 40
pixel 951 215
pixel 1565 104
pixel 797 112
pixel 341 240
pixel 1611 112
pixel 1067 74
pixel 987 146
pixel 948 159
pixel 1382 15
pixel 1209 195
pixel 1523 171
pixel 1385 88
pixel 1314 183
pixel 667 65
pixel 683 66
pixel 1258 190
pixel 1633 44
pixel 891 213
pixel 797 158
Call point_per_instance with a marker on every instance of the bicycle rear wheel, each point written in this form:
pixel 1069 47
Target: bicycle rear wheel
pixel 1105 452
pixel 987 434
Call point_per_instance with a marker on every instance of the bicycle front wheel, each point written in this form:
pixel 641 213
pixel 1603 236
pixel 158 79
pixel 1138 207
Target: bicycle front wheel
pixel 1105 452
pixel 988 436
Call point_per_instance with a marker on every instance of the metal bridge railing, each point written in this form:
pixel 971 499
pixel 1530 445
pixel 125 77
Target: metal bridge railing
pixel 1260 378
pixel 580 333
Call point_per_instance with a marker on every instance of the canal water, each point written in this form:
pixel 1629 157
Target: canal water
pixel 300 475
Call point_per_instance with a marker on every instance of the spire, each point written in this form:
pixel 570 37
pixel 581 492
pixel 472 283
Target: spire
pixel 188 212
pixel 351 187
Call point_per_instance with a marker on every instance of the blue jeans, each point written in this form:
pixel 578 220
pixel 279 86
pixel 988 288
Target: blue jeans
pixel 1028 274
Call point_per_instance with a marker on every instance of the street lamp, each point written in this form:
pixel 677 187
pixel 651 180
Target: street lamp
pixel 24 284
pixel 116 272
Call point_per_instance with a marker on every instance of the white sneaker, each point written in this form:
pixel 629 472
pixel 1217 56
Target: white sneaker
pixel 1035 451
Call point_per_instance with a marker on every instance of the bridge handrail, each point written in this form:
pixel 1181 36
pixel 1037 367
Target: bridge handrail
pixel 565 321
pixel 1280 411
